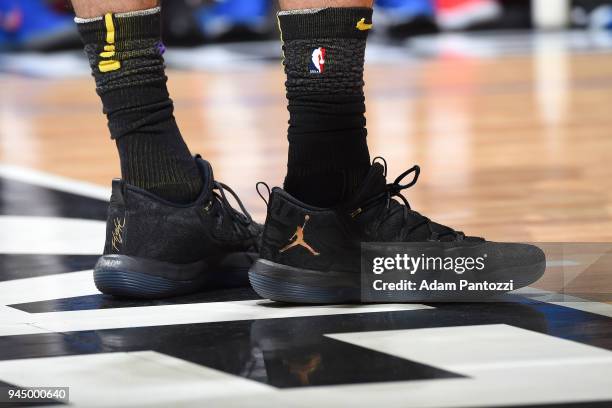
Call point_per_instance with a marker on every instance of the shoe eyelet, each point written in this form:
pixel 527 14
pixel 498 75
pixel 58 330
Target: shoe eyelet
pixel 206 208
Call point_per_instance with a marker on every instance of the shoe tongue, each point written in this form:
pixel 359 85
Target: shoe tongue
pixel 373 184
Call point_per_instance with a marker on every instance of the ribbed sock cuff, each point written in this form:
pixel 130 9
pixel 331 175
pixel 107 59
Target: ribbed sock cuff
pixel 125 55
pixel 128 26
pixel 342 22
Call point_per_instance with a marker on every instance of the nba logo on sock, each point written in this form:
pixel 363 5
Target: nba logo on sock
pixel 317 61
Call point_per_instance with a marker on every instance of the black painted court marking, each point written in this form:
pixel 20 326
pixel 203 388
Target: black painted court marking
pixel 20 198
pixel 20 266
pixel 290 352
pixel 100 301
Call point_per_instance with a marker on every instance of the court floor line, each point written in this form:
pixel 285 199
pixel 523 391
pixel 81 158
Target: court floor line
pixel 573 302
pixel 48 287
pixel 14 322
pixel 193 313
pixel 54 235
pixel 139 378
pixel 48 180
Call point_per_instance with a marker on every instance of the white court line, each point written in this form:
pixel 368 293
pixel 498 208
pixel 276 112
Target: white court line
pixel 15 322
pixel 481 349
pixel 566 371
pixel 49 287
pixel 536 369
pixel 19 329
pixel 194 313
pixel 48 180
pixel 12 323
pixel 81 283
pixel 132 379
pixel 67 285
pixel 51 235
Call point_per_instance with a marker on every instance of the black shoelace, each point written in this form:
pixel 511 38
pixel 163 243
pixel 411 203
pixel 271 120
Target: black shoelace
pixel 243 220
pixel 391 206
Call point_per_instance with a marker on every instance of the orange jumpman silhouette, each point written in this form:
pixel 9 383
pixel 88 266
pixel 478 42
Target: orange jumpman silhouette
pixel 297 239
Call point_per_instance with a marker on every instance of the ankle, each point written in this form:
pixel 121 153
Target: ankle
pixel 325 189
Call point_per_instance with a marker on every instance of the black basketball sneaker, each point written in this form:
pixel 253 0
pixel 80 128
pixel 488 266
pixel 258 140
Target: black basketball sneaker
pixel 157 249
pixel 312 255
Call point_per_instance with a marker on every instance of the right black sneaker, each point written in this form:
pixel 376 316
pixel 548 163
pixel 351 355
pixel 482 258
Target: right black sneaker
pixel 313 255
pixel 157 249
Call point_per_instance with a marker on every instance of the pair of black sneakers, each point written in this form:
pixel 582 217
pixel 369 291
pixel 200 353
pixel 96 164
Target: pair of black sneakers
pixel 302 254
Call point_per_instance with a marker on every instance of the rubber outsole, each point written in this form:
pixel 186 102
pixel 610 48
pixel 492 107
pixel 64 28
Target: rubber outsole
pixel 283 283
pixel 288 292
pixel 138 278
pixel 318 288
pixel 137 285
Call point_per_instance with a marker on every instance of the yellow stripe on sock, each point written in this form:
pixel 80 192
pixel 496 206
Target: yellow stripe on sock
pixel 108 65
pixel 110 28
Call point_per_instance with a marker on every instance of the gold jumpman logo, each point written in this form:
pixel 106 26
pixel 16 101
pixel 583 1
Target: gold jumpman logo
pixel 297 239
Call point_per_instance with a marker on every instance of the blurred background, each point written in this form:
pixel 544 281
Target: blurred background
pixel 248 34
pixel 247 31
pixel 46 25
pixel 504 104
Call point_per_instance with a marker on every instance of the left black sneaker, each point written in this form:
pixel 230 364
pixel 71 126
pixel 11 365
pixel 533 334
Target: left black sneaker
pixel 313 255
pixel 157 249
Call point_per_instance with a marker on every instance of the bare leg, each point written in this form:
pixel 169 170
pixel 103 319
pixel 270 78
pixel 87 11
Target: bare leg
pixel 96 8
pixel 309 4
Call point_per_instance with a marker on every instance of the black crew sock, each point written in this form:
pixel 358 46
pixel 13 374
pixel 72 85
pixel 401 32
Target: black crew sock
pixel 323 58
pixel 125 54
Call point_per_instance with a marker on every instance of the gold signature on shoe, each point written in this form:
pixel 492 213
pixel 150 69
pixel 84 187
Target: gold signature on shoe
pixel 117 236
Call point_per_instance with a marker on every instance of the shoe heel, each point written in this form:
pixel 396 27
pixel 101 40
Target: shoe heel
pixel 117 275
pixel 137 285
pixel 282 290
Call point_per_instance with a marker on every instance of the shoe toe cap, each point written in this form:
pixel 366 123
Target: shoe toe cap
pixel 523 263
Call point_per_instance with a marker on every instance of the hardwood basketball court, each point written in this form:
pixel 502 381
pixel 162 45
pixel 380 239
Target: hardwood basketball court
pixel 514 138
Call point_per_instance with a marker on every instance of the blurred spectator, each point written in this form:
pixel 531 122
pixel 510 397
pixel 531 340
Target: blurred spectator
pixel 47 24
pixel 179 22
pixel 594 14
pixel 462 14
pixel 405 18
pixel 601 17
pixel 34 25
pixel 235 19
